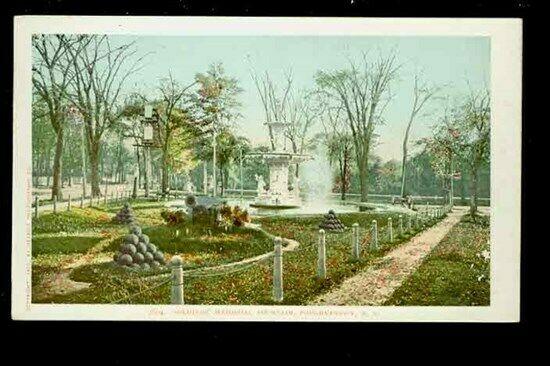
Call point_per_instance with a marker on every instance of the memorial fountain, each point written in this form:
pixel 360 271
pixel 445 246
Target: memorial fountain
pixel 279 193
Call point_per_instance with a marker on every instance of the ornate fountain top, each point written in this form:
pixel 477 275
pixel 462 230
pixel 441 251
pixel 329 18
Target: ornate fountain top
pixel 277 130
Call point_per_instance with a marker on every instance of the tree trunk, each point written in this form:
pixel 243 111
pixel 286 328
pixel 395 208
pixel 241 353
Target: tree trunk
pixel 473 191
pixel 462 188
pixel 222 179
pixel 94 167
pixel 57 166
pixel 345 177
pixel 404 170
pixel 139 166
pixel 404 162
pixel 164 173
pixel 363 179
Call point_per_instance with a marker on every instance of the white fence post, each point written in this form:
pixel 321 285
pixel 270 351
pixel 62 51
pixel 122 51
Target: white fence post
pixel 36 203
pixel 278 270
pixel 400 225
pixel 55 204
pixel 390 230
pixel 374 234
pixel 355 241
pixel 177 280
pixel 321 256
pixel 69 203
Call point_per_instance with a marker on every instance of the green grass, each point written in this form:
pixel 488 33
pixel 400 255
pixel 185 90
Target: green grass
pixel 252 285
pixel 76 220
pixel 63 244
pixel 455 273
pixel 204 247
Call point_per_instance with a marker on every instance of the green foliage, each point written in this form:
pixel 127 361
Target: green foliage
pixel 173 217
pixel 456 273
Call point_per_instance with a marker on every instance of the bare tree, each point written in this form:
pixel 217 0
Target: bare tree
pixel 98 74
pixel 422 93
pixel 475 129
pixel 51 78
pixel 339 145
pixel 273 100
pixel 300 114
pixel 364 92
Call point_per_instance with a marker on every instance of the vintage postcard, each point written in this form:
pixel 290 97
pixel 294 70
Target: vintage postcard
pixel 266 169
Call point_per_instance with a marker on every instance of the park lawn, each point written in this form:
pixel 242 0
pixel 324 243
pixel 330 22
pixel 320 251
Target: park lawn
pixel 455 273
pixel 63 244
pixel 205 247
pixel 253 284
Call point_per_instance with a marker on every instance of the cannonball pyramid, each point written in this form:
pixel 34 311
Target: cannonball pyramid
pixel 137 252
pixel 332 223
pixel 125 215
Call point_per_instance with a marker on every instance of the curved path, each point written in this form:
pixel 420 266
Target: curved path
pixel 61 283
pixel 374 285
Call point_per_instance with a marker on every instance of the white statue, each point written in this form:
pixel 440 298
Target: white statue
pixel 190 187
pixel 261 183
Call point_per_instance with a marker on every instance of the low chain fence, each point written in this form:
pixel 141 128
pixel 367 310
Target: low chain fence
pixel 360 240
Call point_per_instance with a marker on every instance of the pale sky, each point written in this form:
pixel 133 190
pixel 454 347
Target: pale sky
pixel 444 60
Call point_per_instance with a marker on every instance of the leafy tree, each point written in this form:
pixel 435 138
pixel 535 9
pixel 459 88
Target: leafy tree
pixel 216 105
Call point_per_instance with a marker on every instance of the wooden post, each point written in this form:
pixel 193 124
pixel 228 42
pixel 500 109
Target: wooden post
pixel 54 204
pixel 82 201
pixel 321 256
pixel 116 197
pixel 91 200
pixel 36 204
pixel 177 280
pixel 355 241
pixel 400 225
pixel 278 270
pixel 69 203
pixel 374 235
pixel 390 230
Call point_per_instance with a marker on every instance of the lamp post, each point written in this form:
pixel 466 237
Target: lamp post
pixel 148 136
pixel 241 171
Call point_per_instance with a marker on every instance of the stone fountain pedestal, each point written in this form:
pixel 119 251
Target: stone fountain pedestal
pixel 277 194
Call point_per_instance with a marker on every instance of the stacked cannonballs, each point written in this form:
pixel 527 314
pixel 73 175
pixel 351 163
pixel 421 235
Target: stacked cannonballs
pixel 332 223
pixel 138 252
pixel 125 215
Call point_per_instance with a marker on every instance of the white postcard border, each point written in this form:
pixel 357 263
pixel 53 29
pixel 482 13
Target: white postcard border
pixel 506 82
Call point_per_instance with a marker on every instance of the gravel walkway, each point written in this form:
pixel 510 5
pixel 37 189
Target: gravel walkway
pixel 376 284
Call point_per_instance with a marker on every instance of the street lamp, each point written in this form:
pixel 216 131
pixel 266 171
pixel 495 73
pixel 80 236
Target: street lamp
pixel 149 120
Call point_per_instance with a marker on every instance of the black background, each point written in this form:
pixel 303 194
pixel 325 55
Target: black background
pixel 121 342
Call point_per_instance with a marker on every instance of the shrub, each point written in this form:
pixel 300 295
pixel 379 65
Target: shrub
pixel 240 216
pixel 173 217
